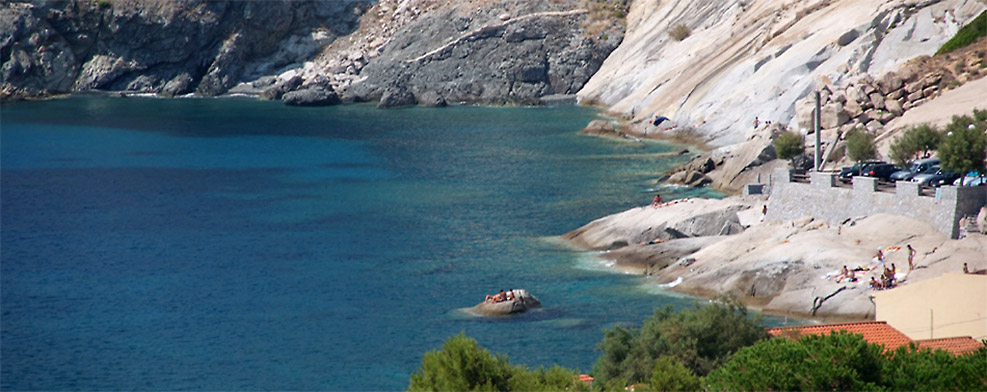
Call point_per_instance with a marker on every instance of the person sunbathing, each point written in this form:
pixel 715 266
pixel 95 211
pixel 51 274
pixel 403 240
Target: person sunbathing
pixel 500 297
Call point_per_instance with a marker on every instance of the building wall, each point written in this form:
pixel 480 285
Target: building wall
pixel 947 306
pixel 821 199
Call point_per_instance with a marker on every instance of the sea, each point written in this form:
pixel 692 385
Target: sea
pixel 238 244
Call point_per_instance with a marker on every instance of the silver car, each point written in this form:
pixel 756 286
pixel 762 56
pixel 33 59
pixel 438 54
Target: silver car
pixel 917 166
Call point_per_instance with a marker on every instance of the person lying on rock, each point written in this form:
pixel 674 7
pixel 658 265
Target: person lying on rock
pixel 496 297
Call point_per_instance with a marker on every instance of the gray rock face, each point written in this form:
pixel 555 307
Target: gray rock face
pixel 162 47
pixel 486 60
pixel 311 96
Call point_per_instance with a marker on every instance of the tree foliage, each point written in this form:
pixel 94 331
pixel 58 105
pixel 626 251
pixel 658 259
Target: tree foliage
pixel 860 146
pixel 462 365
pixel 964 148
pixel 671 375
pixel 846 362
pixel 789 145
pixel 921 138
pixel 700 339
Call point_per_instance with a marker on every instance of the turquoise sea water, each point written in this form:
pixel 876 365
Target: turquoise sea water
pixel 233 244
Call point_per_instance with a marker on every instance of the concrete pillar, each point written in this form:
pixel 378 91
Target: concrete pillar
pixel 822 180
pixel 906 188
pixel 783 176
pixel 864 184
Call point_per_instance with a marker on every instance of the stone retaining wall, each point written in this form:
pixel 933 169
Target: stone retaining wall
pixel 822 199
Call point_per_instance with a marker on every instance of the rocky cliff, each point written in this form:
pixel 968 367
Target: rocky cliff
pixel 713 66
pixel 397 51
pixel 505 53
pixel 160 46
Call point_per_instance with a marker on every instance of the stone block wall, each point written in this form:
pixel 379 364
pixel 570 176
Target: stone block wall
pixel 822 200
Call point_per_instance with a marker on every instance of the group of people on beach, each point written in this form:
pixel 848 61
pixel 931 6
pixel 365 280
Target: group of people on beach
pixel 500 297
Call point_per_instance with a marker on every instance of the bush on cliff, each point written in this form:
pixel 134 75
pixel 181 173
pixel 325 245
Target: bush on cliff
pixel 860 146
pixel 679 32
pixel 789 145
pixel 964 149
pixel 922 138
pixel 700 339
pixel 966 35
pixel 462 365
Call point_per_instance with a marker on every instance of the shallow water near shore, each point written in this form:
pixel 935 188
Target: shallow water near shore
pixel 232 244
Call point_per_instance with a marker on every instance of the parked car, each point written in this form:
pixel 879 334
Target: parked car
pixel 916 167
pixel 847 173
pixel 924 176
pixel 881 171
pixel 936 179
pixel 972 179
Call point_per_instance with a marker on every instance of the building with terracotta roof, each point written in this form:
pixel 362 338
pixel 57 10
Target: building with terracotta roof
pixel 879 332
pixel 958 345
pixel 949 305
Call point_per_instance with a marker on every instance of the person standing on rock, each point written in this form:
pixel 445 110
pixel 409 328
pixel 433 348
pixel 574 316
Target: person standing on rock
pixel 911 256
pixel 756 122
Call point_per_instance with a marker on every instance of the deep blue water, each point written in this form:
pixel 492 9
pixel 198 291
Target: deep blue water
pixel 243 245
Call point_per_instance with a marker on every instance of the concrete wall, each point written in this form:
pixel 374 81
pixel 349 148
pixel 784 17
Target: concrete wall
pixel 821 199
pixel 947 306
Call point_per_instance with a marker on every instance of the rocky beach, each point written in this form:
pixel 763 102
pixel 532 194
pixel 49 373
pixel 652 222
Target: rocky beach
pixel 780 267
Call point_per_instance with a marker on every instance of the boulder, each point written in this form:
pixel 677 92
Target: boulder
pixel 877 100
pixel 523 301
pixel 181 84
pixel 894 107
pixel 600 128
pixel 397 97
pixel 832 115
pixel 281 87
pixel 889 82
pixel 312 96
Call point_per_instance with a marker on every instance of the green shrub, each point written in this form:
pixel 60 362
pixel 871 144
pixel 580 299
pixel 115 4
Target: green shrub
pixel 966 35
pixel 462 365
pixel 679 32
pixel 671 375
pixel 964 148
pixel 700 339
pixel 860 146
pixel 921 138
pixel 789 145
pixel 846 362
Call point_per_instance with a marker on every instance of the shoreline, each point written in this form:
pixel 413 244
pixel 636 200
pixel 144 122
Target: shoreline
pixel 779 268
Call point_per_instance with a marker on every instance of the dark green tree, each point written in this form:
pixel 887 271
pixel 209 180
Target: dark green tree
pixel 911 369
pixel 700 338
pixel 789 145
pixel 921 138
pixel 846 362
pixel 671 375
pixel 837 362
pixel 860 146
pixel 964 149
pixel 462 365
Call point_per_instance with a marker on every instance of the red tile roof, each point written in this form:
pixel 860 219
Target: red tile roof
pixel 957 345
pixel 878 332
